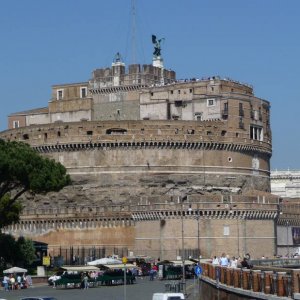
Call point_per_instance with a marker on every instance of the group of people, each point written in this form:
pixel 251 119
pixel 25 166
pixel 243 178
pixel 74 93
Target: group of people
pixel 234 262
pixel 16 282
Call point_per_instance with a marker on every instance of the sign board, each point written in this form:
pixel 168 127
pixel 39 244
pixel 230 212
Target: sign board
pixel 46 261
pixel 198 271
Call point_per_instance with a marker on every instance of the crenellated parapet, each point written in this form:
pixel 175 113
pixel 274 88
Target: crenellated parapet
pixel 202 212
pixel 81 217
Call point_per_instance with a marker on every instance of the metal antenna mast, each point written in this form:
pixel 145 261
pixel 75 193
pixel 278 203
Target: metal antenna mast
pixel 133 37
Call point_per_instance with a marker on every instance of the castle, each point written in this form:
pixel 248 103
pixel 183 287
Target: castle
pixel 147 151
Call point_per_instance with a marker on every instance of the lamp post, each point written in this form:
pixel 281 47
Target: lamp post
pixel 182 245
pixel 238 235
pixel 287 238
pixel 198 234
pixel 124 260
pixel 182 248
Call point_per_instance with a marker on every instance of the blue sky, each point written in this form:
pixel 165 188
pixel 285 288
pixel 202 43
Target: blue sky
pixel 46 42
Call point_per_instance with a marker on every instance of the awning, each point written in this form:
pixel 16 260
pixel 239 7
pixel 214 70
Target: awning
pixel 104 261
pixel 14 270
pixel 120 266
pixel 80 268
pixel 179 262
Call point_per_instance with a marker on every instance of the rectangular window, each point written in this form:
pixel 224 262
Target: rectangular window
pixel 225 111
pixel 241 110
pixel 59 94
pixel 226 230
pixel 83 92
pixel 198 116
pixel 178 103
pixel 256 133
pixel 210 102
pixel 16 124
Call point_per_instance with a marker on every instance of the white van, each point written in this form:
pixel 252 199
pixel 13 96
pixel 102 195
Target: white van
pixel 168 296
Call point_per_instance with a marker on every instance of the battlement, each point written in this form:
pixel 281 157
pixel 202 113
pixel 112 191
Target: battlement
pixel 142 75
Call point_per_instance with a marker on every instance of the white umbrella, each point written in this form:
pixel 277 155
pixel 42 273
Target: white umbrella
pixel 104 261
pixel 14 270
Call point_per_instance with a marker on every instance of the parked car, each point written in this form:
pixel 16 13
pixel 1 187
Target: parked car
pixel 168 296
pixel 39 298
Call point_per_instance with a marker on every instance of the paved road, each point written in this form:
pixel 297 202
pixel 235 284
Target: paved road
pixel 142 290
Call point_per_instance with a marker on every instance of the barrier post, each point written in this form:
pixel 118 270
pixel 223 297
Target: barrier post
pixel 255 280
pixel 267 283
pixel 236 277
pixel 245 283
pixel 280 284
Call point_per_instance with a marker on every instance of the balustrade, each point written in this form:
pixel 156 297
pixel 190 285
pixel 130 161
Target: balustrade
pixel 281 284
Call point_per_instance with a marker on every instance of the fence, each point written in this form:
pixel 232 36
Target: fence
pixel 282 284
pixel 82 255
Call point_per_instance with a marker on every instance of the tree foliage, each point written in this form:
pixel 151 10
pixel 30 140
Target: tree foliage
pixel 26 255
pixel 22 169
pixel 9 212
pixel 12 252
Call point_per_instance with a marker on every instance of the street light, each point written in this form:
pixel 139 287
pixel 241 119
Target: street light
pixel 287 238
pixel 182 247
pixel 198 233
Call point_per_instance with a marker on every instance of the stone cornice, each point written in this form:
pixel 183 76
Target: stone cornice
pixel 60 147
pixel 205 214
pixel 116 89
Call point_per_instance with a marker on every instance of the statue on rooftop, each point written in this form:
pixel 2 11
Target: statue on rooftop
pixel 118 58
pixel 157 48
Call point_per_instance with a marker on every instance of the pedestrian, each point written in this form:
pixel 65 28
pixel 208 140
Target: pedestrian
pixel 151 274
pixel 12 282
pixel 224 260
pixel 233 262
pixel 215 261
pixel 19 281
pixel 5 283
pixel 29 280
pixel 245 263
pixel 86 281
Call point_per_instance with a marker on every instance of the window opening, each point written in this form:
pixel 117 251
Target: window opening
pixel 256 133
pixel 178 103
pixel 210 102
pixel 241 110
pixel 60 94
pixel 16 124
pixel 83 92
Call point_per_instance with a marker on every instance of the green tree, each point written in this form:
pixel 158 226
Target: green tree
pixel 12 252
pixel 21 170
pixel 26 251
pixel 8 249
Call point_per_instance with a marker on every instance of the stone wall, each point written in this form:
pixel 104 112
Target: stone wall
pixel 150 228
pixel 116 162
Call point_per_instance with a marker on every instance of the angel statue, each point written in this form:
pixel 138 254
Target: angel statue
pixel 156 42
